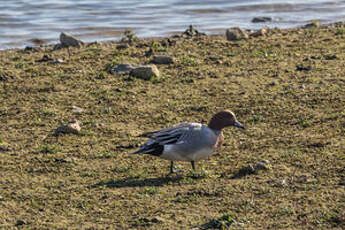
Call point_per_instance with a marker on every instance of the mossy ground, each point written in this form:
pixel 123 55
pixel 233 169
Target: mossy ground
pixel 287 88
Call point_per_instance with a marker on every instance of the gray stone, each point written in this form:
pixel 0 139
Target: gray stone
pixel 273 83
pixel 236 34
pixel 122 46
pixel 157 220
pixel 72 127
pixel 20 222
pixel 162 59
pixel 67 40
pixel 262 165
pixel 56 61
pixel 122 69
pixel 312 25
pixel 95 43
pixel 77 110
pixel 145 72
pixel 45 58
pixel 261 19
pixel 262 32
pixel 57 46
pixel 29 49
pixel 139 71
pixel 284 183
pixel 191 31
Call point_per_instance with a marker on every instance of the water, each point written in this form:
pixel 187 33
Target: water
pixel 22 22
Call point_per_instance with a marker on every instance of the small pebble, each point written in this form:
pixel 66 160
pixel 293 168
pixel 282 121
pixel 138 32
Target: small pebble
pixel 261 19
pixel 162 59
pixel 77 110
pixel 72 127
pixel 122 46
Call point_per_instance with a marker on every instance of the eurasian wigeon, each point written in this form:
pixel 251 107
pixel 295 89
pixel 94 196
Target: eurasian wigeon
pixel 189 141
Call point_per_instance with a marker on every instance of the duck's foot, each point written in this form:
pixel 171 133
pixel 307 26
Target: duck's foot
pixel 172 170
pixel 176 172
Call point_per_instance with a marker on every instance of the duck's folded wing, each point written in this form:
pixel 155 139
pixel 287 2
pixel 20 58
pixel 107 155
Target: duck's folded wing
pixel 174 135
pixel 171 135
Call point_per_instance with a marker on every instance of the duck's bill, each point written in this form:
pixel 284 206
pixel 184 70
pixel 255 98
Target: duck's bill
pixel 238 125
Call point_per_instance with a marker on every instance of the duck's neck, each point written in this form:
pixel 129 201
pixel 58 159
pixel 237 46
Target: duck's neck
pixel 216 131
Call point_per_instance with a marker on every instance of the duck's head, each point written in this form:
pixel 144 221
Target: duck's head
pixel 224 119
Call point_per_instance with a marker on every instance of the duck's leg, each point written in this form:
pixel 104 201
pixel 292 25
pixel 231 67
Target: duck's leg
pixel 193 165
pixel 171 167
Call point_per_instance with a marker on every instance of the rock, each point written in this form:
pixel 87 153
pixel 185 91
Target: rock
pixel 262 32
pixel 157 220
pixel 4 147
pixel 20 222
pixel 72 127
pixel 284 182
pixel 273 83
pixel 162 59
pixel 303 68
pixel 95 43
pixel 191 31
pixel 122 69
pixel 172 42
pixel 331 57
pixel 262 165
pixel 247 170
pixel 261 19
pixel 129 36
pixel 312 25
pixel 29 49
pixel 122 46
pixel 67 40
pixel 145 72
pixel 77 110
pixel 45 58
pixel 50 60
pixel 56 61
pixel 236 34
pixel 150 52
pixel 139 71
pixel 57 46
pixel 176 36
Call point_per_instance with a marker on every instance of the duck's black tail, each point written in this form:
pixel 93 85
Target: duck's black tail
pixel 152 149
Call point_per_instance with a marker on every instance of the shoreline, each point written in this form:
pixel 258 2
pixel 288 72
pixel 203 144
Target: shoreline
pixel 321 25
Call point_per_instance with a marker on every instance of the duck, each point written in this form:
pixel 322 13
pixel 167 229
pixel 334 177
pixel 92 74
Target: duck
pixel 189 141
